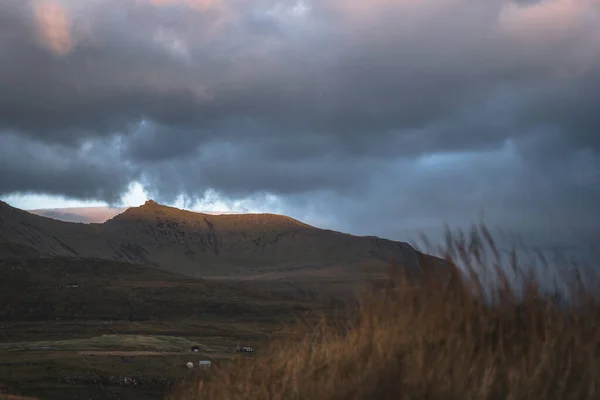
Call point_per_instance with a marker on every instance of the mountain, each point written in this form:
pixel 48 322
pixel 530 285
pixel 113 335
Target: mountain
pixel 79 214
pixel 92 215
pixel 257 248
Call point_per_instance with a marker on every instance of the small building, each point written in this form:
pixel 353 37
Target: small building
pixel 195 349
pixel 204 364
pixel 189 365
pixel 244 349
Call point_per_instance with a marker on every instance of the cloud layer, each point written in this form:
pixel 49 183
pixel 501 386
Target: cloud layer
pixel 367 115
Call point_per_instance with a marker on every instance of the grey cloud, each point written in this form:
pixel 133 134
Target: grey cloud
pixel 107 83
pixel 92 172
pixel 104 86
pixel 333 111
pixel 239 171
pixel 150 143
pixel 570 106
pixel 406 198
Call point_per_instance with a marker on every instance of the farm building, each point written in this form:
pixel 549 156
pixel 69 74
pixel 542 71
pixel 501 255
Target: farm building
pixel 204 364
pixel 195 349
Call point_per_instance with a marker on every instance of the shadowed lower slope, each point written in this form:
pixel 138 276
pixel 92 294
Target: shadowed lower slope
pixel 437 340
pixel 70 289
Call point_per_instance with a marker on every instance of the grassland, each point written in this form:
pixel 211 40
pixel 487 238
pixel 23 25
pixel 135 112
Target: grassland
pixel 452 337
pixel 88 328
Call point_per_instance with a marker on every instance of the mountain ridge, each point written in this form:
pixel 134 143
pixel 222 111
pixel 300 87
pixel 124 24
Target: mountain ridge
pixel 259 247
pixel 156 209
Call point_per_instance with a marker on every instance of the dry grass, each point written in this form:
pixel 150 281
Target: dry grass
pixel 434 338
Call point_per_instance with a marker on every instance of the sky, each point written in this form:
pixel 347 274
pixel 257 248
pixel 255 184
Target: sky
pixel 380 117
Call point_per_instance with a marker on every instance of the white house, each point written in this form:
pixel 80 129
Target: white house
pixel 204 364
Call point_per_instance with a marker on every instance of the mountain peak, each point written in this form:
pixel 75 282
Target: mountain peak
pixel 151 210
pixel 151 206
pixel 150 203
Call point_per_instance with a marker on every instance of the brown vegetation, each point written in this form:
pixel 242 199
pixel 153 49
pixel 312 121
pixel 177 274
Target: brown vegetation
pixel 433 339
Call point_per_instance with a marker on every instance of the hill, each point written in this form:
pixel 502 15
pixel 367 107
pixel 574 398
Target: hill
pixel 261 249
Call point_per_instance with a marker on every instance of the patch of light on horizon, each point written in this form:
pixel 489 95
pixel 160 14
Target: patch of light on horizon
pixel 135 196
pixel 42 201
pixel 212 202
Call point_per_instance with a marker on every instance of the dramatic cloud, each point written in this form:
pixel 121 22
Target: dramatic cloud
pixel 92 171
pixel 365 115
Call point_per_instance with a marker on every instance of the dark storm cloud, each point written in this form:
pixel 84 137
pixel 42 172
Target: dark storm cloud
pixel 90 172
pixel 125 70
pixel 106 83
pixel 420 110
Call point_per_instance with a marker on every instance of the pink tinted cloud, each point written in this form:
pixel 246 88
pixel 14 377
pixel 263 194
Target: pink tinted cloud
pixel 54 26
pixel 196 4
pixel 550 19
pixel 571 25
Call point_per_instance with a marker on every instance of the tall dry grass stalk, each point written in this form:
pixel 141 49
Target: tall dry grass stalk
pixel 434 336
